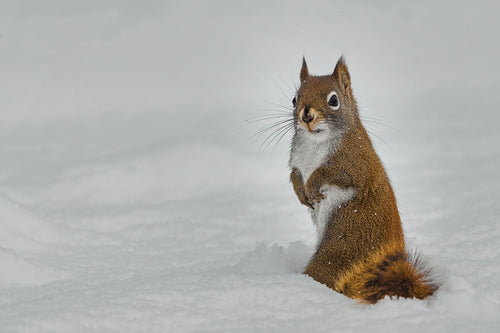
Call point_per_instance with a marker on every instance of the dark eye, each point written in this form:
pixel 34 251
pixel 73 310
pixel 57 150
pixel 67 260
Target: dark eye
pixel 294 102
pixel 333 100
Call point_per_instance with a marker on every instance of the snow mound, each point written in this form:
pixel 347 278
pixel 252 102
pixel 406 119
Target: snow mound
pixel 275 259
pixel 21 272
pixel 22 230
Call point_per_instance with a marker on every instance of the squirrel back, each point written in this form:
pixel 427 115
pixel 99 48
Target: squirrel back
pixel 337 174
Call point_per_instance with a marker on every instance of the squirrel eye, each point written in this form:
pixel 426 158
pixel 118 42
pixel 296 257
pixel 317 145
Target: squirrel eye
pixel 333 100
pixel 294 102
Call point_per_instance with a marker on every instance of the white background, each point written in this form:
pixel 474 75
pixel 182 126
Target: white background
pixel 130 199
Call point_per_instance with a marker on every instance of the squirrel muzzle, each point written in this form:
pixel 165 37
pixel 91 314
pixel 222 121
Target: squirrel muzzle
pixel 309 118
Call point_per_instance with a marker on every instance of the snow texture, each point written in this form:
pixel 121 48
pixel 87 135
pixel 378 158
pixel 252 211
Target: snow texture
pixel 130 201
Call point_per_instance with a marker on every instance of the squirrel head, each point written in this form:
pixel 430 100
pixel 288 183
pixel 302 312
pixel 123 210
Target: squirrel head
pixel 325 103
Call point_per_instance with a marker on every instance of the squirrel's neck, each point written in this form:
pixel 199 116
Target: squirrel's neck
pixel 309 152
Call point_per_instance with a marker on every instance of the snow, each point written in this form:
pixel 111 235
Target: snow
pixel 130 201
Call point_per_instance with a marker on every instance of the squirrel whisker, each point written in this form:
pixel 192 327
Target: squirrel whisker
pixel 269 127
pixel 273 136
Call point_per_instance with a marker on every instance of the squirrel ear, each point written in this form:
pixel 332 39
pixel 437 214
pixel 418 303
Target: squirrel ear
pixel 304 72
pixel 341 74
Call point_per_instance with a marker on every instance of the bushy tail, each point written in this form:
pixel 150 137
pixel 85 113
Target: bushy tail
pixel 389 272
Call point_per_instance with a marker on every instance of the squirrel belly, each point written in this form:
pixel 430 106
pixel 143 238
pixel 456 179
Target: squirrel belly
pixel 334 198
pixel 337 174
pixel 308 153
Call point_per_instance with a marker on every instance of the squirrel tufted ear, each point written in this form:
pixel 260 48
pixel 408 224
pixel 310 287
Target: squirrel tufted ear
pixel 341 74
pixel 304 72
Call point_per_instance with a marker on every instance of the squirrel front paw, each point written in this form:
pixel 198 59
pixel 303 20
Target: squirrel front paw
pixel 304 199
pixel 313 195
pixel 298 187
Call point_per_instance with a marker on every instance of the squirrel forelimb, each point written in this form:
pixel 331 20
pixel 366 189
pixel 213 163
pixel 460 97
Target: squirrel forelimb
pixel 299 188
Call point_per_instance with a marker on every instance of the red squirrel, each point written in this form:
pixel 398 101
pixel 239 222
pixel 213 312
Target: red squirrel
pixel 336 173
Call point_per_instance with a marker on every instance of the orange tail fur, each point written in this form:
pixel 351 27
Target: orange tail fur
pixel 392 272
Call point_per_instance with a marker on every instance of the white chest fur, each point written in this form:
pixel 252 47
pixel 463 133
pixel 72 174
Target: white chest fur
pixel 307 154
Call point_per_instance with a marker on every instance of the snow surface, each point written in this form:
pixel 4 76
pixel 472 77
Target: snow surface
pixel 130 201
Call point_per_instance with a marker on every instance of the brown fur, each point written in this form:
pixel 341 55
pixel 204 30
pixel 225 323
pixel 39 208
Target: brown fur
pixel 362 253
pixel 387 272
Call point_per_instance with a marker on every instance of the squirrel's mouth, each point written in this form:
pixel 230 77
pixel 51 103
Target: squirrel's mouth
pixel 310 129
pixel 313 127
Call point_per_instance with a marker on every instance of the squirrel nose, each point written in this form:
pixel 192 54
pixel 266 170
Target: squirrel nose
pixel 307 117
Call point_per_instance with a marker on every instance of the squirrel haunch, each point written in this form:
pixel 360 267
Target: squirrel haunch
pixel 338 175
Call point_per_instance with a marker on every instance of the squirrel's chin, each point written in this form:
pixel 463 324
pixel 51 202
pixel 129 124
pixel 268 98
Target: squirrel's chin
pixel 315 130
pixel 315 134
